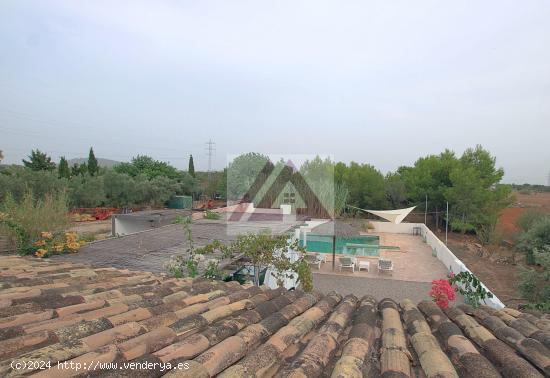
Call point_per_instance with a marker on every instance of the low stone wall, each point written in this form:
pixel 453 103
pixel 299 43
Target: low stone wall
pixel 441 251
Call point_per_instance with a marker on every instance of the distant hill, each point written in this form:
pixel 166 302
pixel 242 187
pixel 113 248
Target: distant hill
pixel 106 163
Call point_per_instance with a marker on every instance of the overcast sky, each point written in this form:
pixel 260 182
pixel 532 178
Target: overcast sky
pixel 380 82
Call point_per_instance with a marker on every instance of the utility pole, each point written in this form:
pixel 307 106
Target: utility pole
pixel 210 151
pixel 447 223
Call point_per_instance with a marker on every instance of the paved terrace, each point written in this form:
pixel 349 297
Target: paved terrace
pixel 414 268
pixel 412 262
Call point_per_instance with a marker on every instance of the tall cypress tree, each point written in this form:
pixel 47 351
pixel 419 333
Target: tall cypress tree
pixel 93 167
pixel 191 166
pixel 63 168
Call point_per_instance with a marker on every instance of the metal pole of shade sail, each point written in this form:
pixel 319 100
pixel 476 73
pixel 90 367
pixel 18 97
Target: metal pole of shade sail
pixel 334 250
pixel 447 223
pixel 426 210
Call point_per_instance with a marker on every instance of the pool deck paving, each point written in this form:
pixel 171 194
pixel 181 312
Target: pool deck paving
pixel 414 269
pixel 412 262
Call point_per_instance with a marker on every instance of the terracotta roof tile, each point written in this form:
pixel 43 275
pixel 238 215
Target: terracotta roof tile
pixel 319 351
pixel 462 352
pixel 76 313
pixel 499 353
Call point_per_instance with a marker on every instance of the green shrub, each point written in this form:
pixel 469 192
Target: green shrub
pixel 108 187
pixel 120 189
pixel 534 284
pixel 123 190
pixel 36 215
pixel 86 191
pixel 179 219
pixel 537 237
pixel 87 237
pixel 187 264
pixel 212 270
pixel 15 233
pixel 192 266
pixel 528 218
pixel 16 180
pixel 176 266
pixel 147 166
pixel 159 190
pixel 208 214
pixel 305 276
pixel 462 227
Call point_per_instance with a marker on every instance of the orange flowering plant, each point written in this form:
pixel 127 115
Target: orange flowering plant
pixel 54 244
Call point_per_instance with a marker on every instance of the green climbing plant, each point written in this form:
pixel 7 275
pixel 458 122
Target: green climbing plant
pixel 185 265
pixel 470 287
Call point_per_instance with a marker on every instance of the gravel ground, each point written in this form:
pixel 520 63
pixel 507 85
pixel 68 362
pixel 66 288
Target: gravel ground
pixel 377 287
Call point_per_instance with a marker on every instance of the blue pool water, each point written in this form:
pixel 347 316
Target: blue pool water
pixel 365 245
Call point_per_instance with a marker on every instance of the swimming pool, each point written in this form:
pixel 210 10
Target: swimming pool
pixel 365 245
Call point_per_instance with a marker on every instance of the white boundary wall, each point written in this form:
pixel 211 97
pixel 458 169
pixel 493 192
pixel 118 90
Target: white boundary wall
pixel 122 227
pixel 306 229
pixel 441 251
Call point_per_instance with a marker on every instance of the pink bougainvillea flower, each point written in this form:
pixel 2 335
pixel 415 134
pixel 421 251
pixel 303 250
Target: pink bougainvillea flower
pixel 442 292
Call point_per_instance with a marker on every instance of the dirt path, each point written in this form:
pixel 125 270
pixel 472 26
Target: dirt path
pixel 501 278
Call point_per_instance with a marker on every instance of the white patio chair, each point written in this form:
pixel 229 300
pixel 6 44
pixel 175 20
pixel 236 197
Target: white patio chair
pixel 314 260
pixel 347 262
pixel 321 257
pixel 385 265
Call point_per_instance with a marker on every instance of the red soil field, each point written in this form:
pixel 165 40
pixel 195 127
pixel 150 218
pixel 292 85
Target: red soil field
pixel 524 202
pixel 507 221
pixel 533 199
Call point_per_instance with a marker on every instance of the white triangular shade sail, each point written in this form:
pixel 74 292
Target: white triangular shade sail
pixel 394 216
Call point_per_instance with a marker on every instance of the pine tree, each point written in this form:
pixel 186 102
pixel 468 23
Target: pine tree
pixel 63 169
pixel 93 167
pixel 39 161
pixel 191 166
